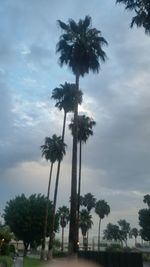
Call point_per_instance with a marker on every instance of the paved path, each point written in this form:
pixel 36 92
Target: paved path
pixel 146 264
pixel 18 262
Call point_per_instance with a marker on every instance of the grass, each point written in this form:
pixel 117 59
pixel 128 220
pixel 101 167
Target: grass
pixel 6 261
pixel 31 262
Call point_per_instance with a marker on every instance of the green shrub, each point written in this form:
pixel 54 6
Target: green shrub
pixel 60 254
pixel 5 249
pixel 114 248
pixel 5 261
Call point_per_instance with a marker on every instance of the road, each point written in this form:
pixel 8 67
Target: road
pixel 18 262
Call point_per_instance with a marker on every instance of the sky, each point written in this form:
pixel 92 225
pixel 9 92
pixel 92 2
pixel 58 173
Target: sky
pixel 115 163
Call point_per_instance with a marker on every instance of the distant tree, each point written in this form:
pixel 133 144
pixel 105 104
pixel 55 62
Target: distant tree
pixel 147 200
pixel 141 10
pixel 5 237
pixel 102 209
pixel 85 125
pixel 25 217
pixel 134 233
pixel 88 201
pixel 80 47
pixel 53 150
pixel 125 230
pixel 85 223
pixel 144 220
pixel 63 213
pixel 112 232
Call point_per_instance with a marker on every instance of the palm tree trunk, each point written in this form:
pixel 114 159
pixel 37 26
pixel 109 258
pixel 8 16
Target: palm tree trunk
pixel 51 234
pixel 73 226
pixel 99 229
pixel 46 214
pixel 62 240
pixel 79 184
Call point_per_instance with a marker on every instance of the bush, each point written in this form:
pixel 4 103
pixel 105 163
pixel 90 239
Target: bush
pixel 5 261
pixel 114 247
pixel 5 249
pixel 60 254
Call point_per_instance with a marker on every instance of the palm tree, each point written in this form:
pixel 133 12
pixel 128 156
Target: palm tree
pixel 102 209
pixel 62 152
pixel 134 232
pixel 65 100
pixel 85 223
pixel 85 125
pixel 80 47
pixel 53 150
pixel 89 202
pixel 64 219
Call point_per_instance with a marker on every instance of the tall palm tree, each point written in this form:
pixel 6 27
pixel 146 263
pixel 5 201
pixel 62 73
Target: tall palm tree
pixel 65 96
pixel 85 223
pixel 64 219
pixel 85 125
pixel 65 100
pixel 80 47
pixel 53 150
pixel 102 209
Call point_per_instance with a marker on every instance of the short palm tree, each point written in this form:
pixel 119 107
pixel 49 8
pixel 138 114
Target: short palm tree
pixel 85 125
pixel 134 232
pixel 61 146
pixel 102 209
pixel 64 219
pixel 85 223
pixel 53 150
pixel 89 202
pixel 80 47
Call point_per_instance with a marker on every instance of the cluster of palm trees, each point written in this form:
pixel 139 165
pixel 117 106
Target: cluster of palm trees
pixel 80 47
pixel 87 202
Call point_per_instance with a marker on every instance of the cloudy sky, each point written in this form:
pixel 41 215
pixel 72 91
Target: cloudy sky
pixel 116 159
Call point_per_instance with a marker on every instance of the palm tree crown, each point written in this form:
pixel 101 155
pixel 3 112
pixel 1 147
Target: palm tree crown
pixel 53 149
pixel 102 208
pixel 81 46
pixel 85 125
pixel 65 96
pixel 85 221
pixel 63 213
pixel 88 201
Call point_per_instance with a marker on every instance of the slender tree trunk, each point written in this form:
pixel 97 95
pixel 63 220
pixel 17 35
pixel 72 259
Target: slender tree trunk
pixel 87 238
pixel 25 248
pixel 99 230
pixel 51 234
pixel 79 184
pixel 62 240
pixel 73 226
pixel 46 214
